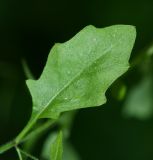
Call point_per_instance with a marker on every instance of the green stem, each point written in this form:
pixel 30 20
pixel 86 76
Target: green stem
pixel 21 139
pixel 39 130
pixel 11 144
pixel 19 153
pixel 25 130
pixel 27 70
pixel 7 146
pixel 28 155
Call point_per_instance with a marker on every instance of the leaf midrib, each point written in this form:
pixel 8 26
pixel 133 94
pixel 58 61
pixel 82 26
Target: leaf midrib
pixel 73 79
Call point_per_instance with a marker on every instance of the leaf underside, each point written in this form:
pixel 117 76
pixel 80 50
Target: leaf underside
pixel 79 71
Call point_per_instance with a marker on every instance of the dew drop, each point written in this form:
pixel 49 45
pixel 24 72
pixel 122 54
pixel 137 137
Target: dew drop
pixel 114 35
pixel 94 39
pixel 68 72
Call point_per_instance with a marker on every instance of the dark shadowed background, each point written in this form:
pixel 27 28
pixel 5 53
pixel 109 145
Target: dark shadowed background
pixel 28 30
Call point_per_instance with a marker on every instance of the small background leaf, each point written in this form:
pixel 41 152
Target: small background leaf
pixel 69 152
pixel 57 148
pixel 139 102
pixel 53 147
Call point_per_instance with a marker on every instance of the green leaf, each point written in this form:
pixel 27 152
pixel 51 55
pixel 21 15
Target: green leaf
pixel 139 102
pixel 78 72
pixel 53 147
pixel 69 152
pixel 57 148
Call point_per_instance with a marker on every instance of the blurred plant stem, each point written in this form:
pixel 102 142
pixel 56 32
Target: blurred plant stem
pixel 28 155
pixel 27 70
pixel 19 153
pixel 40 129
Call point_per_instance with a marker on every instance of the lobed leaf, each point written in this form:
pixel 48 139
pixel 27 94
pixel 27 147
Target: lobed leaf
pixel 78 72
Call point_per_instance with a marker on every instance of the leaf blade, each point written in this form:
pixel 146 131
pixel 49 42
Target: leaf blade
pixel 57 86
pixel 57 148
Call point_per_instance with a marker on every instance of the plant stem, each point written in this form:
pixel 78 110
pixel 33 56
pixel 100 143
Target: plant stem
pixel 19 153
pixel 25 130
pixel 27 70
pixel 39 130
pixel 21 135
pixel 28 155
pixel 7 146
pixel 12 144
